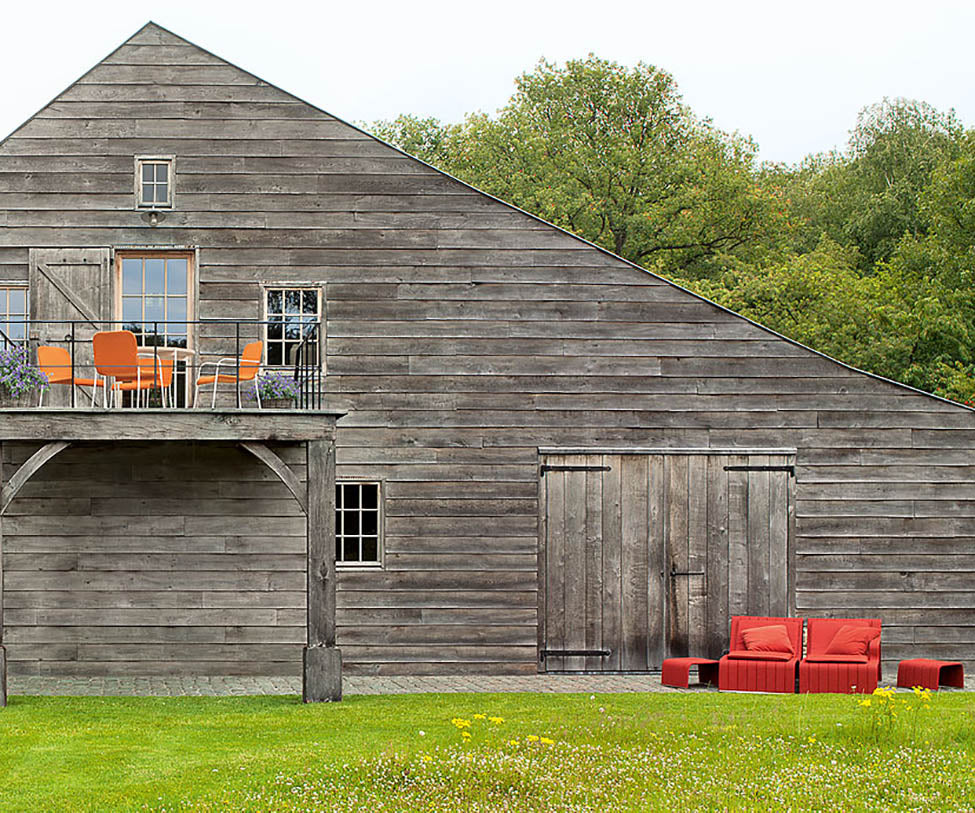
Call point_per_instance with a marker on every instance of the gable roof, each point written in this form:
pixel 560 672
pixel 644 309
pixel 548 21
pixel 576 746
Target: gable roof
pixel 165 36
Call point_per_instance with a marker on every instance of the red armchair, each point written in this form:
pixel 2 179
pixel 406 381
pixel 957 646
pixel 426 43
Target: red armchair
pixel 764 667
pixel 842 655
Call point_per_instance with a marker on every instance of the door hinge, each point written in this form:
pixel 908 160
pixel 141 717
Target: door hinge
pixel 546 468
pixel 790 469
pixel 570 653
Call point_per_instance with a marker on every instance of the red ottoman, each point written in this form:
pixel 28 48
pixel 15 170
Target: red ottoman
pixel 929 674
pixel 675 671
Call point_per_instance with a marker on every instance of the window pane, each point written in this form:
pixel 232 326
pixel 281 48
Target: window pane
pixel 154 309
pixel 162 173
pixel 370 522
pixel 175 309
pixel 162 193
pixel 351 550
pixel 370 549
pixel 131 309
pixel 155 276
pixel 274 302
pixel 351 496
pixel 310 304
pixel 18 301
pixel 16 330
pixel 148 173
pixel 292 301
pixel 131 276
pixel 370 495
pixel 176 276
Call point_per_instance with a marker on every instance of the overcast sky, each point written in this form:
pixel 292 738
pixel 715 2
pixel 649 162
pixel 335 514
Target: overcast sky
pixel 791 75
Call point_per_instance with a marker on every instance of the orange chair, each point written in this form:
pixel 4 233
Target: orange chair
pixel 154 374
pixel 243 370
pixel 55 363
pixel 117 358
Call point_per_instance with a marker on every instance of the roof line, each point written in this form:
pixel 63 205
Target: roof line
pixel 534 217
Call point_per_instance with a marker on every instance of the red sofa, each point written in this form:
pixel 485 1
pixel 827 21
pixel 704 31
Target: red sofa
pixel 821 671
pixel 745 670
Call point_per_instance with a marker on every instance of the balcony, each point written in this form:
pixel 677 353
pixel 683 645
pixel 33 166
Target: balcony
pixel 192 365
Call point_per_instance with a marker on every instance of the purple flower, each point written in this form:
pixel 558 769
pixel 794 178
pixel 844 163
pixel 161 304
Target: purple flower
pixel 17 375
pixel 277 385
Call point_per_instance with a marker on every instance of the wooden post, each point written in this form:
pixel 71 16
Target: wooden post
pixel 3 651
pixel 322 679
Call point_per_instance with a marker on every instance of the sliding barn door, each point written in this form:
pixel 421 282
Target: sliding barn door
pixel 647 556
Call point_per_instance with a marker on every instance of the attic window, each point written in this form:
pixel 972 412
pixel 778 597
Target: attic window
pixel 154 182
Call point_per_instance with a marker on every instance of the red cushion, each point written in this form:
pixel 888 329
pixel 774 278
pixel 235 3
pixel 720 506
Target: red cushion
pixel 851 640
pixel 754 655
pixel 773 638
pixel 836 658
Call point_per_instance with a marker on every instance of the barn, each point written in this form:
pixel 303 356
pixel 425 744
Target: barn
pixel 548 458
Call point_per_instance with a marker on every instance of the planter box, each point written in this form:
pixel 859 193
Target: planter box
pixel 277 403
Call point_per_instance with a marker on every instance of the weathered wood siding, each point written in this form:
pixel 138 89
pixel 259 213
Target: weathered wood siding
pixel 137 558
pixel 462 335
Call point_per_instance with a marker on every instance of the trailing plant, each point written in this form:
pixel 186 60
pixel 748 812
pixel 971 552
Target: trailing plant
pixel 18 376
pixel 278 385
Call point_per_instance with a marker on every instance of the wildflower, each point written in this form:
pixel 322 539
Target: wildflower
pixel 426 758
pixel 812 739
pixel 465 734
pixel 423 733
pixel 461 723
pixel 480 716
pixel 496 720
pixel 546 741
pixel 531 738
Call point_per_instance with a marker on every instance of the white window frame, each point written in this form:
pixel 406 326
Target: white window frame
pixel 157 254
pixel 380 526
pixel 170 162
pixel 5 313
pixel 267 287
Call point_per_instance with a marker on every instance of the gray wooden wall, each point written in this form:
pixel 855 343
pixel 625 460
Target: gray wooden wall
pixel 462 335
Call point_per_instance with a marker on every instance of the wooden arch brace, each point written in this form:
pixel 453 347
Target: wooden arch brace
pixel 33 465
pixel 281 469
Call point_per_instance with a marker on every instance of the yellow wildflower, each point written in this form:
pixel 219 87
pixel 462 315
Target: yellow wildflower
pixel 480 716
pixel 426 758
pixel 460 722
pixel 546 741
pixel 531 738
pixel 465 734
pixel 812 739
pixel 865 703
pixel 512 742
pixel 496 720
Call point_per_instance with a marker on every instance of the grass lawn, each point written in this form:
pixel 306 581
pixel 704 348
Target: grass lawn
pixel 696 751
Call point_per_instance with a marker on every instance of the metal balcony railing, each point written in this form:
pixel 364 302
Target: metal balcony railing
pixel 291 361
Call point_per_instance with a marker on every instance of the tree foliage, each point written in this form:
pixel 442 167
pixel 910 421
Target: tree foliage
pixel 866 254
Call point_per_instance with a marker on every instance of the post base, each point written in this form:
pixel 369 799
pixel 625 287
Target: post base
pixel 3 677
pixel 322 677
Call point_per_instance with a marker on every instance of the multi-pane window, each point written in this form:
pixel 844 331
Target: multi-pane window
pixel 13 315
pixel 357 523
pixel 155 182
pixel 155 298
pixel 293 318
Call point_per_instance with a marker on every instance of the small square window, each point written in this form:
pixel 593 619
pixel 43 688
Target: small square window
pixel 154 183
pixel 357 524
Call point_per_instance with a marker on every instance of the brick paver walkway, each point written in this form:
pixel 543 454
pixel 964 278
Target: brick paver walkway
pixel 220 686
pixel 231 685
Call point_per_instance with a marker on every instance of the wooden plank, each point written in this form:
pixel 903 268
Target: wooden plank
pixel 678 503
pixel 658 578
pixel 738 575
pixel 758 537
pixel 575 559
pixel 320 525
pixel 555 541
pixel 594 563
pixel 718 616
pixel 612 532
pixel 697 553
pixel 779 549
pixel 634 514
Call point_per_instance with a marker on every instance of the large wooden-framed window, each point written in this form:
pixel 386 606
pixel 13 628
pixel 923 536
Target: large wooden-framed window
pixel 358 523
pixel 14 311
pixel 293 317
pixel 154 296
pixel 155 181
